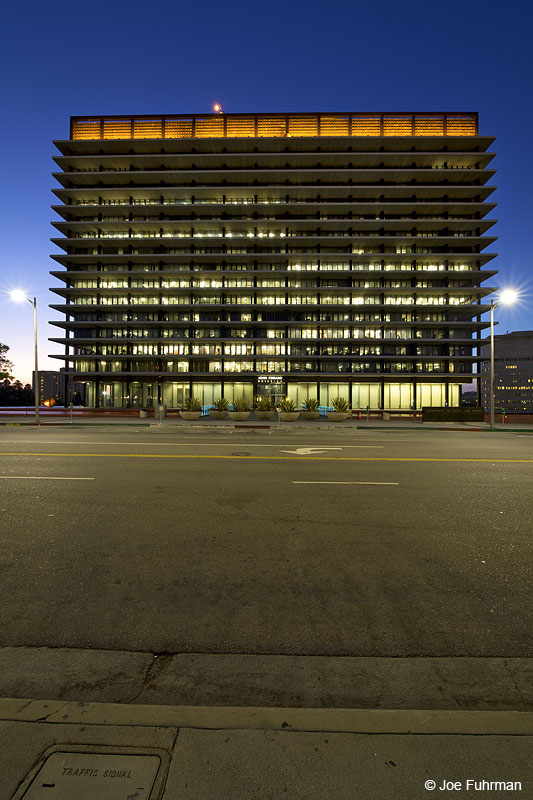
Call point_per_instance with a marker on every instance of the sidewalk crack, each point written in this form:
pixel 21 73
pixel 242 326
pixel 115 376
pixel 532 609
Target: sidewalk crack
pixel 51 713
pixel 516 685
pixel 160 661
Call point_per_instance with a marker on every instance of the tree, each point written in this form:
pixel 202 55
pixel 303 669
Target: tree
pixel 5 365
pixel 15 394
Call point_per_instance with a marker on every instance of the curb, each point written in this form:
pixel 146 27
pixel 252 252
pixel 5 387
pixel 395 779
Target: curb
pixel 75 424
pixel 271 428
pixel 492 723
pixel 421 430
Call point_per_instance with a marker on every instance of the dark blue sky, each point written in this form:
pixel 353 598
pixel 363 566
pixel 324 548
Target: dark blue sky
pixel 118 57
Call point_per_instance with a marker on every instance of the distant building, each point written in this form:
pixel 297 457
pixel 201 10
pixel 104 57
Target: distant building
pixel 513 372
pixel 309 255
pixel 59 387
pixel 469 398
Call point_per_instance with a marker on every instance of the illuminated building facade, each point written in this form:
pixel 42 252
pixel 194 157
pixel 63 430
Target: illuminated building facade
pixel 309 255
pixel 58 387
pixel 513 372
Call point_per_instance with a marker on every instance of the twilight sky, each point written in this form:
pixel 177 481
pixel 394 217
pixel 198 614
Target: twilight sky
pixel 130 57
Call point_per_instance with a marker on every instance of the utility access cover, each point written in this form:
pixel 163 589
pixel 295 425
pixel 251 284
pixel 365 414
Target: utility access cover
pixel 87 776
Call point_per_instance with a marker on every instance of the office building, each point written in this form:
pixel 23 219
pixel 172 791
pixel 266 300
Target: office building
pixel 59 387
pixel 308 255
pixel 513 372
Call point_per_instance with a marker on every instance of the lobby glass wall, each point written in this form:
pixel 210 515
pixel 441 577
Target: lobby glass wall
pixel 330 390
pixel 112 395
pixel 366 394
pixel 90 395
pixel 430 394
pixel 207 392
pixel 175 394
pixel 299 392
pixel 233 391
pixel 398 396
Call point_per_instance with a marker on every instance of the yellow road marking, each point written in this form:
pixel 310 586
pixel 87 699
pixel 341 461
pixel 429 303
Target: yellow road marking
pixel 274 458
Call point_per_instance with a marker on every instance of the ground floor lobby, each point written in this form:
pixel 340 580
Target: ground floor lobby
pixel 376 395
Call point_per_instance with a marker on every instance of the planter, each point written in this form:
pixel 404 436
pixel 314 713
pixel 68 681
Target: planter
pixel 289 416
pixel 265 414
pixel 337 416
pixel 238 416
pixel 190 415
pixel 214 414
pixel 310 414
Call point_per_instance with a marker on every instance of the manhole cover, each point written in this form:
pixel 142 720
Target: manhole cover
pixel 87 776
pixel 240 454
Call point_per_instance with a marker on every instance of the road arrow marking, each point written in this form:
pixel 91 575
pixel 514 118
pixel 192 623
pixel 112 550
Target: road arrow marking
pixel 310 451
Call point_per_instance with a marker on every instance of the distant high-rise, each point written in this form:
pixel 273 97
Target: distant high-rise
pixel 309 255
pixel 513 372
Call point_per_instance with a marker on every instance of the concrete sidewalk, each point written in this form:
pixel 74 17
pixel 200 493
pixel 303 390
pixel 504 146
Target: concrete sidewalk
pixel 92 751
pixel 319 425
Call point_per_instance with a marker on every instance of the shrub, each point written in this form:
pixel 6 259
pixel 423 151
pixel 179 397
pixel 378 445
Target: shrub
pixel 192 404
pixel 311 404
pixel 221 404
pixel 340 404
pixel 265 403
pixel 288 405
pixel 241 404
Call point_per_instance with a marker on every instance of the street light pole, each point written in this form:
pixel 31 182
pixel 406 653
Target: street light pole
pixel 493 305
pixel 507 298
pixel 36 372
pixel 19 295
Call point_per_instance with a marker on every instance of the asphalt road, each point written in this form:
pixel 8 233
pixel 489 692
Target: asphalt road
pixel 375 543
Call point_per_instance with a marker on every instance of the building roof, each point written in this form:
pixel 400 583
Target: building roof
pixel 275 125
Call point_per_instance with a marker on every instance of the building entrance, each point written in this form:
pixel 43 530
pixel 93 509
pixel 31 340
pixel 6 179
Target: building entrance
pixel 271 386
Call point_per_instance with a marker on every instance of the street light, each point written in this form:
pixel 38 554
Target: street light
pixel 507 298
pixel 18 295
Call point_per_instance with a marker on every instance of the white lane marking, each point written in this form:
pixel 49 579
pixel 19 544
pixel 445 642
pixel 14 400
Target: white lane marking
pixel 310 451
pixel 190 444
pixel 350 483
pixel 41 478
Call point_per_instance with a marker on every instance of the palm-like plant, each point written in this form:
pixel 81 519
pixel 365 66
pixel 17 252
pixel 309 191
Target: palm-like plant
pixel 192 404
pixel 340 404
pixel 288 405
pixel 311 404
pixel 241 404
pixel 221 404
pixel 265 403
